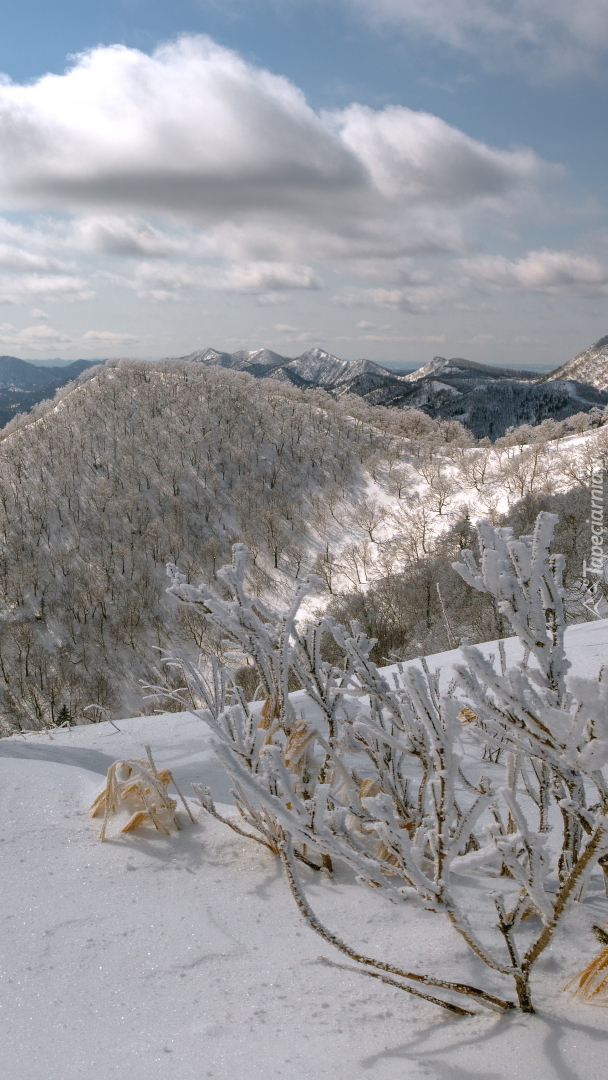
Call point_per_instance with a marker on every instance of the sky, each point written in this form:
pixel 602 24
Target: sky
pixel 391 179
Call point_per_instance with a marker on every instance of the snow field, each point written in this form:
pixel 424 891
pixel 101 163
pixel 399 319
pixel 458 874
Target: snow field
pixel 145 954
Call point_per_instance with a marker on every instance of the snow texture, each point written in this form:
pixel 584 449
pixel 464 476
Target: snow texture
pixel 150 954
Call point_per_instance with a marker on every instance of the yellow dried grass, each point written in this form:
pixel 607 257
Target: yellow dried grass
pixel 137 786
pixel 296 747
pixel 591 984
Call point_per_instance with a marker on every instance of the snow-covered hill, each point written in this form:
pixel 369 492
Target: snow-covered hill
pixel 468 369
pixel 150 463
pixel 315 367
pixel 150 956
pixel 589 366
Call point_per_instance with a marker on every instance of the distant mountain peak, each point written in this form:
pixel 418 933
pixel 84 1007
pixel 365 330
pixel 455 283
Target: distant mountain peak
pixel 457 365
pixel 485 398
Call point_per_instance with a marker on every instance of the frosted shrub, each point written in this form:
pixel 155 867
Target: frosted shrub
pixel 554 736
pixel 422 809
pixel 271 642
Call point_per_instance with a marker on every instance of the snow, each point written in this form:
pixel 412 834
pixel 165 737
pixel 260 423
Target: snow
pixel 586 648
pixel 588 366
pixel 147 955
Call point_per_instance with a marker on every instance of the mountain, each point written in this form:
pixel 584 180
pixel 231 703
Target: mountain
pixel 151 463
pixel 23 385
pixel 468 370
pixel 256 362
pixel 589 366
pixel 131 473
pixel 486 399
pixel 315 367
pixel 320 368
pixel 16 374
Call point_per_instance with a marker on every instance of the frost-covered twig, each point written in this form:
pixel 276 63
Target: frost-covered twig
pixel 399 792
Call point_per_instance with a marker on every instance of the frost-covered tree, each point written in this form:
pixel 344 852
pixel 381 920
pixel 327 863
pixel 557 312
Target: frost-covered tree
pixel 422 808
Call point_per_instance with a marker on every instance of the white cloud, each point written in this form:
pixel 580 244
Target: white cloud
pixel 266 280
pixel 265 277
pixel 546 38
pixel 417 300
pixel 415 157
pixel 114 235
pixel 193 171
pixel 108 337
pixel 554 272
pixel 32 337
pixel 195 132
pixel 16 258
pixel 67 288
pixel 191 128
pixel 28 257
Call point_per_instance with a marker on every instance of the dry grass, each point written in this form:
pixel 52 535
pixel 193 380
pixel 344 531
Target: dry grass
pixel 139 788
pixel 591 984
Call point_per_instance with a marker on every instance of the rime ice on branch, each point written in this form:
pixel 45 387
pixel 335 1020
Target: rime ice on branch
pixel 388 781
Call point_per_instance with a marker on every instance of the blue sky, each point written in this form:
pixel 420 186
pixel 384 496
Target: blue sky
pixel 384 178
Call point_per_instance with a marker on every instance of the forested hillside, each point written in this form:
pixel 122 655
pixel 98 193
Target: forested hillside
pixel 140 464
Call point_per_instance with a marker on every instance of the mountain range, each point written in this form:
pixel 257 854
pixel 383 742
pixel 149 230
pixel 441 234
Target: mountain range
pixel 23 385
pixel 484 398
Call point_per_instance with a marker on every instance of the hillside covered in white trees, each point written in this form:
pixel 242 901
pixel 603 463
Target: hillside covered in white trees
pixel 142 464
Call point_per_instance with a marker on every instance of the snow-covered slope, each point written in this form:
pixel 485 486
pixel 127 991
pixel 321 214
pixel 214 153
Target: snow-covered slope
pixel 589 366
pixel 257 361
pixel 315 366
pixel 147 956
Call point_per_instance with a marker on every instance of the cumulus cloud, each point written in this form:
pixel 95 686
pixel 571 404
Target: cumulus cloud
pixel 556 272
pixel 545 38
pixel 192 170
pixel 416 157
pixel 191 128
pixel 195 132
